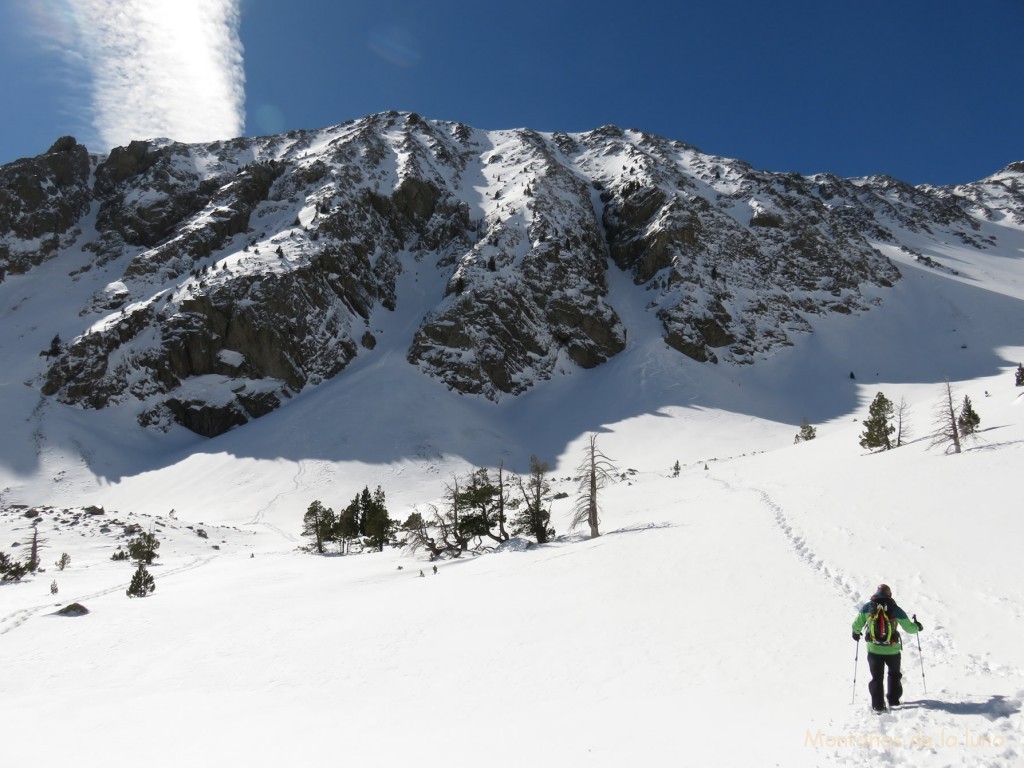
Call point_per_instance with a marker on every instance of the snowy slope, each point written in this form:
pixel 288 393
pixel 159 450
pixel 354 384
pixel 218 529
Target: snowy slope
pixel 709 625
pixel 716 604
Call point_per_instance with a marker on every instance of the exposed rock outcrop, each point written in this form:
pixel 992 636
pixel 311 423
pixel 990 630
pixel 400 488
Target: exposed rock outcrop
pixel 227 277
pixel 41 201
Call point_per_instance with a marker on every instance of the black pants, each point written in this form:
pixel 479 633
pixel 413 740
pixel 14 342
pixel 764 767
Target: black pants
pixel 877 664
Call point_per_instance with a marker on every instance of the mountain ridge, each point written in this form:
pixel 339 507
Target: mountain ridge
pixel 245 271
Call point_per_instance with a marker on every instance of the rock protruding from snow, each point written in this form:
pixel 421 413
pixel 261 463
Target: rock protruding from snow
pixel 72 610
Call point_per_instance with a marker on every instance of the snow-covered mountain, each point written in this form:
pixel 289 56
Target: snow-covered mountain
pixel 695 316
pixel 208 284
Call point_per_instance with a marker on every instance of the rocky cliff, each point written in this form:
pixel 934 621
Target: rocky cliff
pixel 229 276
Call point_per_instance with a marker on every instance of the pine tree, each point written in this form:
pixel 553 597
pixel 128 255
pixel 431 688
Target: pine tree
pixel 480 504
pixel 346 527
pixel 318 523
pixel 596 471
pixel 1020 375
pixel 142 549
pixel 807 432
pixel 877 427
pixel 534 518
pixel 33 558
pixel 378 525
pixel 142 583
pixel 11 570
pixel 365 499
pixel 676 469
pixel 968 420
pixel 458 528
pixel 475 508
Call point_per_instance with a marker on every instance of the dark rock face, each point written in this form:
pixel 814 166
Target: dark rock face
pixel 41 200
pixel 227 277
pixel 522 293
pixel 736 258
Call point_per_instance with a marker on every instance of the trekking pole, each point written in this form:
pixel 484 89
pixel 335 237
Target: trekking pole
pixel 918 635
pixel 856 657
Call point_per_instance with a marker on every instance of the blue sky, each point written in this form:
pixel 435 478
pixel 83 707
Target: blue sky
pixel 924 91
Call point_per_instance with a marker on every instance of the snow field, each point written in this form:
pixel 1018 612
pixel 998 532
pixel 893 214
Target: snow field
pixel 709 624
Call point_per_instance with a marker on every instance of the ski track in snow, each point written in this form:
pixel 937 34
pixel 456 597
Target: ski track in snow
pixel 941 647
pixel 834 576
pixel 970 730
pixel 805 553
pixel 940 642
pixel 259 517
pixel 966 732
pixel 17 618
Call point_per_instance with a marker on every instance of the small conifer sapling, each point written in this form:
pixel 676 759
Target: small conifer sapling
pixel 142 583
pixel 968 420
pixel 807 432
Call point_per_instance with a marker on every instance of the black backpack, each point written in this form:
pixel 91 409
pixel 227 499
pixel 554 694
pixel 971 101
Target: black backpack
pixel 882 628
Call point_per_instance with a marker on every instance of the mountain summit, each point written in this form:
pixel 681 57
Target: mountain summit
pixel 213 282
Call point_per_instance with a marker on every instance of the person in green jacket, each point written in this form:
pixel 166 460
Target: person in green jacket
pixel 883 618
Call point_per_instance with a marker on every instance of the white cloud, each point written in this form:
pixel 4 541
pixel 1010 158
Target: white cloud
pixel 158 68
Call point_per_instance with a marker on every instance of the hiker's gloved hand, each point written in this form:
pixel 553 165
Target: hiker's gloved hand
pixel 856 636
pixel 919 625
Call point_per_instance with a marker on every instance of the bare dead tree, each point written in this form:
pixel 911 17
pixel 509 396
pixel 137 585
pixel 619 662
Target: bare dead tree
pixel 903 426
pixel 947 433
pixel 596 471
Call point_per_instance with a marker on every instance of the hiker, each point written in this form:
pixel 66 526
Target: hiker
pixel 880 617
